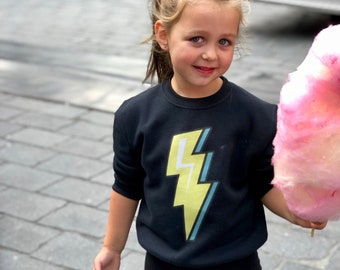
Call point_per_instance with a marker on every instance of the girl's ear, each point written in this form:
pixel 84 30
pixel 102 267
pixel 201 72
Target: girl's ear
pixel 161 35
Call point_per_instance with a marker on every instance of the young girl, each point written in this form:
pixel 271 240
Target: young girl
pixel 195 150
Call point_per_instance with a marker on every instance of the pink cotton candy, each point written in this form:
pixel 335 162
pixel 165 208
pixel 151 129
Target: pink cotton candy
pixel 307 144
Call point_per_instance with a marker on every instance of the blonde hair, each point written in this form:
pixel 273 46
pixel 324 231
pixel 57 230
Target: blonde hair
pixel 169 12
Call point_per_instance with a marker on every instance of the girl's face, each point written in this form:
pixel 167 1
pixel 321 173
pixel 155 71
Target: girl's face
pixel 201 46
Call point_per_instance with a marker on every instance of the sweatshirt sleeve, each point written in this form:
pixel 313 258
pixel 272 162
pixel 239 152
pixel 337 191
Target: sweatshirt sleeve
pixel 263 170
pixel 128 170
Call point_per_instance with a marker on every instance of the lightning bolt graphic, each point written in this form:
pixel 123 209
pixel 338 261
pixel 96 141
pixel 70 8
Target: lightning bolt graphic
pixel 193 192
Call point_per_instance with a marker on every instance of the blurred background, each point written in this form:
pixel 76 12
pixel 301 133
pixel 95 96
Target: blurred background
pixel 47 47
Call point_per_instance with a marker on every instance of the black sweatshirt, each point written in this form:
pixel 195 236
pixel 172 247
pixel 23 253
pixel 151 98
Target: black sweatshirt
pixel 200 168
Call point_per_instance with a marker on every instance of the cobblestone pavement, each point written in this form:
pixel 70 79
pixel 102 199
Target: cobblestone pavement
pixel 65 67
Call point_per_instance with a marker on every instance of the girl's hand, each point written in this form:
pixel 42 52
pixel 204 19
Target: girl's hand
pixel 308 224
pixel 107 260
pixel 275 202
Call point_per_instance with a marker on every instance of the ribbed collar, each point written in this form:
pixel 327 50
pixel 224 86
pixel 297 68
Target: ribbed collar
pixel 196 103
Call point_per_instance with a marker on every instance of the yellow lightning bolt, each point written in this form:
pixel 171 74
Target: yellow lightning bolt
pixel 189 165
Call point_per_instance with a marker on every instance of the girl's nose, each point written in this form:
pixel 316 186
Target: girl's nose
pixel 209 54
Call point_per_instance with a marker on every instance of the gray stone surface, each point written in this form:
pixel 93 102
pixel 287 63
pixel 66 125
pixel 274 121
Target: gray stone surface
pixel 74 166
pixel 65 68
pixel 27 205
pixel 78 218
pixel 39 120
pixel 304 246
pixel 133 260
pixel 69 250
pixel 7 112
pixel 11 260
pixel 106 177
pixel 98 117
pixel 37 137
pixel 79 191
pixel 25 178
pixel 27 104
pixel 84 147
pixel 333 263
pixel 24 154
pixel 88 130
pixel 18 235
pixel 8 128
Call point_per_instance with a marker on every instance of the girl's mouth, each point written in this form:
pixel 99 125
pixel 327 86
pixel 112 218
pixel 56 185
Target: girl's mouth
pixel 204 70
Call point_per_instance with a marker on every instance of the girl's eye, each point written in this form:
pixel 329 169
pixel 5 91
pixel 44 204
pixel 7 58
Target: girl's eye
pixel 224 42
pixel 197 39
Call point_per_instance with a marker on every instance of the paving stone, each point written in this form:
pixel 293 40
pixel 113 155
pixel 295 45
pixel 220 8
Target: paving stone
pixel 8 128
pixel 334 260
pixel 25 178
pixel 17 234
pixel 37 137
pixel 39 120
pixel 3 188
pixel 109 158
pixel 28 104
pixel 78 218
pixel 79 191
pixel 27 205
pixel 72 25
pixel 5 97
pixel 269 262
pixel 7 113
pixel 11 260
pixel 74 166
pixel 3 143
pixel 24 154
pixel 87 130
pixel 64 110
pixel 133 261
pixel 297 266
pixel 296 243
pixel 67 84
pixel 102 118
pixel 104 206
pixel 332 230
pixel 84 147
pixel 108 139
pixel 69 250
pixel 106 178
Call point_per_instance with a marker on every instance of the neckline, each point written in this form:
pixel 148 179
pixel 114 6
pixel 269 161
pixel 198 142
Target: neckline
pixel 196 103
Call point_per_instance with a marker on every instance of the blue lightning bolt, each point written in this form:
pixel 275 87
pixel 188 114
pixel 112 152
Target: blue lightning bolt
pixel 193 192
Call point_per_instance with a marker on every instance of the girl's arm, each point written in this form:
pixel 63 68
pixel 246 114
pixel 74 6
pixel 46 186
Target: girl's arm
pixel 276 203
pixel 121 214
